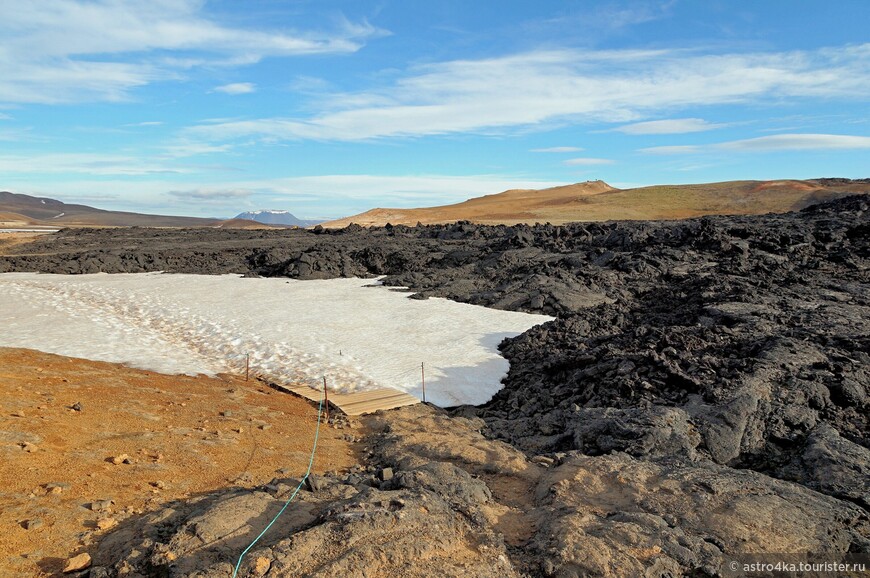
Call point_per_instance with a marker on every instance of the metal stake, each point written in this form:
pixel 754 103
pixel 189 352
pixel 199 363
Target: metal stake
pixel 423 376
pixel 326 399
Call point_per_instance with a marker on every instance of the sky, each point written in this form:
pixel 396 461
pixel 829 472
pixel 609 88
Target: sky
pixel 328 108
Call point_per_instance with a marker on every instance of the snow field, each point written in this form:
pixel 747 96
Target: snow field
pixel 357 335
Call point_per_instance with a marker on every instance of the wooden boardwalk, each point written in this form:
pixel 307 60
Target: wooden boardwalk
pixel 357 403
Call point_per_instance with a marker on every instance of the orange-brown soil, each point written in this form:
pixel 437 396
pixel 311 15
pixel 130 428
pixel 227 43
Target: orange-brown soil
pixel 182 436
pixel 8 241
pixel 598 201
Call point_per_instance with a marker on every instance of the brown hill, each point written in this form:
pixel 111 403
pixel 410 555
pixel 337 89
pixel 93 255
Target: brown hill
pixel 45 211
pixel 14 220
pixel 598 201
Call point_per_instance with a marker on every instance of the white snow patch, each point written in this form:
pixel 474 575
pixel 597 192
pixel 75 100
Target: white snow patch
pixel 359 337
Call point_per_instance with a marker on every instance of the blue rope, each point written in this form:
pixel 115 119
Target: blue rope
pixel 296 491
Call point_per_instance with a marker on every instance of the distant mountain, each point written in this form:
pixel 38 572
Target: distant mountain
pixel 276 218
pixel 598 201
pixel 17 210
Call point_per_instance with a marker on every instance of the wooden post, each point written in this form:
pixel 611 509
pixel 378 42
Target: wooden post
pixel 247 365
pixel 326 399
pixel 423 375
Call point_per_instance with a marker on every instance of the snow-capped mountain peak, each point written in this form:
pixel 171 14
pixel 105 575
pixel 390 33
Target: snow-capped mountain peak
pixel 274 217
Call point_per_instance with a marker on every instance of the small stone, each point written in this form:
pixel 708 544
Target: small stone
pixel 245 478
pixel 122 459
pixel 33 524
pixel 386 474
pixel 106 523
pixel 226 414
pixel 265 426
pixel 77 406
pixel 54 488
pixel 77 563
pixel 261 566
pixel 239 430
pixel 101 505
pixel 314 483
pixel 29 447
pixel 19 413
pixel 159 484
pixel 625 367
pixel 543 461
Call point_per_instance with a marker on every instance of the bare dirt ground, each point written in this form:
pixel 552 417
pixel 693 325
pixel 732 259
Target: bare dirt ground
pixel 598 201
pixel 8 241
pixel 181 436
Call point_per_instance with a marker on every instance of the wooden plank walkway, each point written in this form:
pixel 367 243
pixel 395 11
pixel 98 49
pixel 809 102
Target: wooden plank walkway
pixel 357 403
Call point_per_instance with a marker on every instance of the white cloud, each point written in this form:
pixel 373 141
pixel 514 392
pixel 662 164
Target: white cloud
pixel 404 190
pixel 600 18
pixel 671 126
pixel 773 143
pixel 88 163
pixel 558 150
pixel 328 196
pixel 671 150
pixel 617 17
pixel 70 50
pixel 190 149
pixel 237 88
pixel 585 161
pixel 213 195
pixel 796 142
pixel 564 86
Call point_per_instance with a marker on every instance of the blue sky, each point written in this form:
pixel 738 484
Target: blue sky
pixel 329 108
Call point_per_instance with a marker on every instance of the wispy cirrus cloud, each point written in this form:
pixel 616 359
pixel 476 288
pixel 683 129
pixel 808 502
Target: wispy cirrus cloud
pixel 90 164
pixel 565 87
pixel 218 196
pixel 772 143
pixel 799 142
pixel 672 150
pixel 327 195
pixel 237 88
pixel 190 149
pixel 598 19
pixel 401 190
pixel 670 126
pixel 588 161
pixel 75 50
pixel 558 150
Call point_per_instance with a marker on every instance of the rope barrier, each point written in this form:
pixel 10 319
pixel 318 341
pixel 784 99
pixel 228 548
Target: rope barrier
pixel 292 496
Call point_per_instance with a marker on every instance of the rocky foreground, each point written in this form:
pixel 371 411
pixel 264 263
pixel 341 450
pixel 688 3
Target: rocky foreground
pixel 703 393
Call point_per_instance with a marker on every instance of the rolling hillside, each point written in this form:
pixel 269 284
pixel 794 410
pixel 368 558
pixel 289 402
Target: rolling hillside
pixel 598 201
pixel 51 212
pixel 18 210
